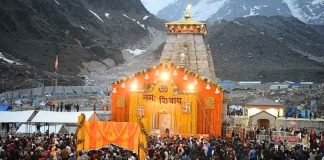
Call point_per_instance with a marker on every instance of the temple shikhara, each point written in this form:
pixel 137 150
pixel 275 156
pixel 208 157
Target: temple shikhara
pixel 179 95
pixel 185 46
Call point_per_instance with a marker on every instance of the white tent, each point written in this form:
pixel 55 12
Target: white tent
pixel 24 128
pixel 61 117
pixel 15 117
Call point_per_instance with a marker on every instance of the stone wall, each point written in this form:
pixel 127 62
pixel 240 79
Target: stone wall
pixel 49 90
pixel 300 123
pixel 244 121
pixel 238 120
pixel 195 52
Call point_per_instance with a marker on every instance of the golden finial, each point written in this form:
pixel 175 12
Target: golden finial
pixel 188 8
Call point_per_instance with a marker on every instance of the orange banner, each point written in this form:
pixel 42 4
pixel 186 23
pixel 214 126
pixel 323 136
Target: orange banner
pixel 97 134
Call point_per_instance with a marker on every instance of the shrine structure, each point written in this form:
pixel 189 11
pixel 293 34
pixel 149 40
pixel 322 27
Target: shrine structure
pixel 168 97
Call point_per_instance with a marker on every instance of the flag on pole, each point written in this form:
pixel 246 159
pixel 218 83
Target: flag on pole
pixel 56 63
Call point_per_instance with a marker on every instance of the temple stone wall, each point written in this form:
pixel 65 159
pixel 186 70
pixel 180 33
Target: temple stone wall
pixel 197 55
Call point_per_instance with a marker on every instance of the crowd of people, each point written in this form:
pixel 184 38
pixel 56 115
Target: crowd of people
pixel 171 147
pixel 66 107
pixel 51 146
pixel 56 147
pixel 219 149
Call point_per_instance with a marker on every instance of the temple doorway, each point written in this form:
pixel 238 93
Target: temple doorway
pixel 164 122
pixel 263 123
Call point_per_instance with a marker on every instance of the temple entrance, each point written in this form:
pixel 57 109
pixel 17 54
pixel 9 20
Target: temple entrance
pixel 263 123
pixel 164 121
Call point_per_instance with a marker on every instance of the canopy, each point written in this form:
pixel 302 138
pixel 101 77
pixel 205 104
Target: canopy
pixel 24 128
pixel 15 117
pixel 61 117
pixel 4 107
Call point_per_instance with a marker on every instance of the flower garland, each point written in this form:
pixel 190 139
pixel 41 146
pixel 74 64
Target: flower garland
pixel 143 130
pixel 79 126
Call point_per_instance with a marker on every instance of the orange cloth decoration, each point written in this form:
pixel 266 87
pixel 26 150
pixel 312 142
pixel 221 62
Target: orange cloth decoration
pixel 97 134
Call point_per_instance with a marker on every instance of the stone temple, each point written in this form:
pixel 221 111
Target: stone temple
pixel 185 46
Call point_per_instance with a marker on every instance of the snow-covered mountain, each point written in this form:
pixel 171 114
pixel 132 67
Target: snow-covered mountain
pixel 308 11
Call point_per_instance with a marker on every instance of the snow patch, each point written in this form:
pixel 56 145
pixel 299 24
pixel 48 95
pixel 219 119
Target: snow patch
pixel 95 14
pixel 82 27
pixel 295 10
pixel 154 6
pixel 141 25
pixel 253 11
pixel 244 7
pixel 135 52
pixel 238 23
pixel 299 13
pixel 57 2
pixel 145 17
pixel 315 2
pixel 129 17
pixel 206 8
pixel 311 10
pixel 107 15
pixel 229 12
pixel 8 60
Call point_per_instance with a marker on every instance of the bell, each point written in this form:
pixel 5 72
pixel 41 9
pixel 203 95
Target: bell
pixel 146 77
pixel 207 86
pixel 114 90
pixel 185 77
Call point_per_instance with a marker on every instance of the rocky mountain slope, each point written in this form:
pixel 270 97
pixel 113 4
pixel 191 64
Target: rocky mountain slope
pixel 267 49
pixel 100 41
pixel 308 11
pixel 85 34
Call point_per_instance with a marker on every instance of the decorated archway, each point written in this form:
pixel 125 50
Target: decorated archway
pixel 169 97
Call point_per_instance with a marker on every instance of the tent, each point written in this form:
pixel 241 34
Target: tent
pixel 62 117
pixel 5 107
pixel 15 117
pixel 24 128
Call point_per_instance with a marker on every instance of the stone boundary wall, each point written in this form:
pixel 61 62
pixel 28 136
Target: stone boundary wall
pixel 54 90
pixel 280 122
pixel 237 120
pixel 300 123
